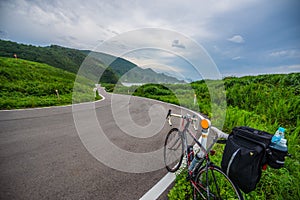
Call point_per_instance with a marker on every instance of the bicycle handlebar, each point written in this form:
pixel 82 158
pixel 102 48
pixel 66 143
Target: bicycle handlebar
pixel 220 134
pixel 187 117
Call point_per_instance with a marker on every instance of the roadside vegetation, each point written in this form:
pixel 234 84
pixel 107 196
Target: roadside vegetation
pixel 263 102
pixel 27 84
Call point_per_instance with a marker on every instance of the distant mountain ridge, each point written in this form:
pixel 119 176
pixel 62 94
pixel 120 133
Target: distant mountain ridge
pixel 71 59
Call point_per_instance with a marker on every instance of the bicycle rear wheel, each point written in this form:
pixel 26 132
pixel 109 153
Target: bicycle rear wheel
pixel 213 183
pixel 173 150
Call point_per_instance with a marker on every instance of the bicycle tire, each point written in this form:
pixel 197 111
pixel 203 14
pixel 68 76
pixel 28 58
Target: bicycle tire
pixel 220 185
pixel 173 150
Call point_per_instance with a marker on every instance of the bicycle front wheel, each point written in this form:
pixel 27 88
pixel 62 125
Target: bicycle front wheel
pixel 213 183
pixel 173 150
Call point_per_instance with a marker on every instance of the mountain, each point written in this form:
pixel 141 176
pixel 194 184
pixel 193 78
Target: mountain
pixel 71 59
pixel 137 75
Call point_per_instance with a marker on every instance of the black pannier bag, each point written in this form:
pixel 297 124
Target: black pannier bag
pixel 244 155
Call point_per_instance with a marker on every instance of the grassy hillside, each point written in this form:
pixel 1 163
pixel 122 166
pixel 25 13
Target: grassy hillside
pixel 264 102
pixel 56 56
pixel 27 84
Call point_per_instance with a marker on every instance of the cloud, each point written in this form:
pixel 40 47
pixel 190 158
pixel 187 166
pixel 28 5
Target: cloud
pixel 236 58
pixel 177 44
pixel 254 70
pixel 285 69
pixel 278 53
pixel 236 39
pixel 81 25
pixel 99 20
pixel 285 53
pixel 295 68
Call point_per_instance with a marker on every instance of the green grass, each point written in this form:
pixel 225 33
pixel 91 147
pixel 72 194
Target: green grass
pixel 26 84
pixel 263 102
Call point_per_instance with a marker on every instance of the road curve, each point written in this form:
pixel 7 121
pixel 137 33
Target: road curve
pixel 42 156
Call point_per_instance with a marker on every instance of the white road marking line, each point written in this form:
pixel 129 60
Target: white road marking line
pixel 159 187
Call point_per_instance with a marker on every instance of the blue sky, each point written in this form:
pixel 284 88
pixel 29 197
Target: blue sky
pixel 242 37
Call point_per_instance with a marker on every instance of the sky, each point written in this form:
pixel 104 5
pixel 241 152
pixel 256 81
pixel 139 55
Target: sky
pixel 246 37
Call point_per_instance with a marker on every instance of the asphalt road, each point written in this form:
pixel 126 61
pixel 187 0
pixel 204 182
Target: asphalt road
pixel 43 157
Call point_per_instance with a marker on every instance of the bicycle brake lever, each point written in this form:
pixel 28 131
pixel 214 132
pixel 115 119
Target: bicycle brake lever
pixel 169 113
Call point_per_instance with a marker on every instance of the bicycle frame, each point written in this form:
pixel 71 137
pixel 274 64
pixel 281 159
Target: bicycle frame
pixel 208 164
pixel 205 168
pixel 183 131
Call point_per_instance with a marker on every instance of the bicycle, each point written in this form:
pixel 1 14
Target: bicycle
pixel 207 179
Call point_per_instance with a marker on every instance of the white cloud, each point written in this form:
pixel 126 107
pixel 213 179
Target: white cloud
pixel 285 53
pixel 284 69
pixel 278 53
pixel 95 20
pixel 163 68
pixel 236 39
pixel 147 57
pixel 280 69
pixel 236 58
pixel 294 68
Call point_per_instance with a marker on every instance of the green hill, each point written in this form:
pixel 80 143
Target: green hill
pixel 30 84
pixel 56 56
pixel 71 59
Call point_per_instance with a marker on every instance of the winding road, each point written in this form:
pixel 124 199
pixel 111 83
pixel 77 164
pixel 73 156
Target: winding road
pixel 42 155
